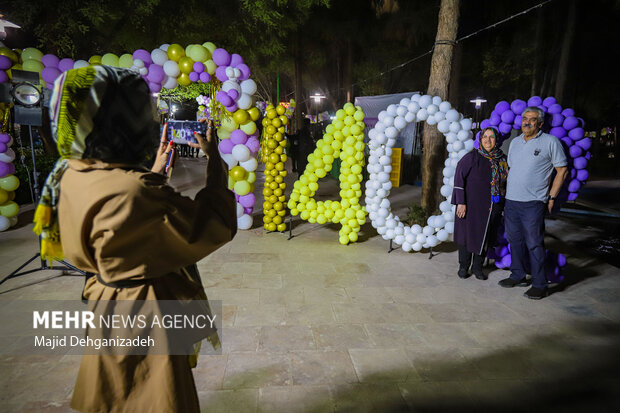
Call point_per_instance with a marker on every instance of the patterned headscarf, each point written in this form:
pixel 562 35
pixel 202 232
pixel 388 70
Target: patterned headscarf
pixel 95 102
pixel 499 167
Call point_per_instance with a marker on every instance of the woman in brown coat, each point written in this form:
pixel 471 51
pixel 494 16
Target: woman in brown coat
pixel 123 223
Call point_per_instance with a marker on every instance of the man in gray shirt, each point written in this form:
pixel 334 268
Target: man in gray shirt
pixel 532 157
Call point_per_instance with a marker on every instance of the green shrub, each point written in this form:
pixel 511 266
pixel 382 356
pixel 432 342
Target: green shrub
pixel 417 215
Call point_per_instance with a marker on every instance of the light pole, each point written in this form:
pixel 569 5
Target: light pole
pixel 478 104
pixel 317 100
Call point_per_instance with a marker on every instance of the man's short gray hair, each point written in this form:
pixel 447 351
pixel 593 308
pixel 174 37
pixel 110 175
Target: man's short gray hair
pixel 541 114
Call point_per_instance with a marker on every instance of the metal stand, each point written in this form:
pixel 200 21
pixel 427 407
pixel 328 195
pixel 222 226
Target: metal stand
pixel 44 263
pixel 431 255
pixel 391 248
pixel 290 227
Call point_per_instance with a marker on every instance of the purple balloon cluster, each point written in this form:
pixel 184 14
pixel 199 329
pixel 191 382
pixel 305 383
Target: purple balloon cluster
pixel 6 156
pixel 563 124
pixel 199 74
pixel 231 69
pixel 238 137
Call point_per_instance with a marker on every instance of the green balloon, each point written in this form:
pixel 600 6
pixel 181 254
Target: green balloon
pixel 9 210
pixel 31 53
pixel 125 60
pixel 9 183
pixel 199 53
pixel 242 188
pixel 109 59
pixel 32 65
pixel 209 46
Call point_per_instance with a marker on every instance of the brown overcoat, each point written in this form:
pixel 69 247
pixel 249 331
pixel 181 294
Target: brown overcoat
pixel 124 223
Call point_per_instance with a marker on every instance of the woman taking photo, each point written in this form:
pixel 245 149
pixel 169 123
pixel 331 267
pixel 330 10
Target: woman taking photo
pixel 121 222
pixel 479 190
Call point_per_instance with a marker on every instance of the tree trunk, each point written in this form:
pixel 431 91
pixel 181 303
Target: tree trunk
pixel 455 76
pixel 560 83
pixel 441 63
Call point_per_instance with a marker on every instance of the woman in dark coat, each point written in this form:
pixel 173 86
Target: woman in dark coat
pixel 479 190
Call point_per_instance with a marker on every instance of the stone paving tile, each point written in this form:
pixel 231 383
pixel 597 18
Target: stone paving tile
pixel 260 315
pixel 222 280
pixel 236 339
pixel 382 365
pixel 282 296
pixel 436 396
pixel 322 367
pixel 394 335
pixel 441 364
pixel 209 372
pixel 229 313
pixel 341 336
pixel 262 281
pixel 254 370
pixel 234 296
pixel 314 295
pixel 315 399
pixel 444 334
pixel 309 314
pixel 368 398
pixel 281 339
pixel 362 295
pixel 226 401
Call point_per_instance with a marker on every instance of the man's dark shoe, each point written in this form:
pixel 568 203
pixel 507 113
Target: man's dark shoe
pixel 509 283
pixel 536 293
pixel 480 275
pixel 463 273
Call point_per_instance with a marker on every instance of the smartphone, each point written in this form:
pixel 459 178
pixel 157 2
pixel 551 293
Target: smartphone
pixel 182 131
pixel 170 161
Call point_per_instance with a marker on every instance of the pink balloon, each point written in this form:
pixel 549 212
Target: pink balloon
pixel 3 147
pixel 585 143
pixel 4 138
pixel 549 101
pixel 248 210
pixel 234 95
pixel 143 55
pixel 534 101
pixel 232 108
pixel 245 71
pixel 154 87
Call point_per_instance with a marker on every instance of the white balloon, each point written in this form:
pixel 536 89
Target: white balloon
pixel 401 110
pixel 442 235
pixel 143 71
pixel 400 122
pixel 432 109
pixel 431 120
pixel 406 246
pixel 448 216
pixel 416 247
pixel 4 223
pixel 450 227
pixel 416 229
pixel 159 56
pixel 391 132
pixel 248 86
pixel 445 206
pixel 436 100
pixel 425 101
pixel 413 107
pixel 432 241
pixel 244 101
pixel 463 134
pixel 450 137
pixel 171 68
pixel 410 117
pixel 244 222
pixel 405 101
pixel 80 63
pixel 169 83
pixel 138 63
pixel 445 106
pixel 439 116
pixel 231 85
pixel 391 109
pixel 416 97
pixel 8 156
pixel 457 146
pixel 446 190
pixel 165 47
pixel 236 73
pixel 381 138
pixel 452 115
pixel 421 238
pixel 230 72
pixel 422 115
pixel 241 153
pixel 388 120
pixel 455 127
pixel 439 222
pixel 250 165
pixel 469 145
pixel 466 123
pixel 229 159
pixel 239 210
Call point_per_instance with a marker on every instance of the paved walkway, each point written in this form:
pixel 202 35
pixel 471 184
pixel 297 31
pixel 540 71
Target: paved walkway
pixel 313 326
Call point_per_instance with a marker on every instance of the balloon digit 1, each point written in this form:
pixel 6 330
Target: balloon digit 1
pixel 344 139
pixel 275 142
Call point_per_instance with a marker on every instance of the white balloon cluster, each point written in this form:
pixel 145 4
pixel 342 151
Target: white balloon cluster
pixel 457 130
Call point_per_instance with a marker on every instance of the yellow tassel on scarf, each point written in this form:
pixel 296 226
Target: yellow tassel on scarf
pixel 42 217
pixel 51 248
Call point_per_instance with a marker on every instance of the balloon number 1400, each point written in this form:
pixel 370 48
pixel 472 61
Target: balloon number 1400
pixel 183 131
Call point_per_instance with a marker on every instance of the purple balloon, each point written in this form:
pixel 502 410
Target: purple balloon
pixel 143 55
pixel 245 71
pixel 235 60
pixel 561 260
pixel 575 151
pixel 508 116
pixel 576 134
pixel 570 122
pixel 238 137
pixel 506 261
pixel 49 74
pixel 220 73
pixel 585 143
pixel 495 119
pixel 223 98
pixel 3 77
pixel 205 77
pixel 557 120
pixel 248 210
pixel 248 200
pixel 226 146
pixel 582 122
pixel 583 175
pixel 556 108
pixel 501 107
pixel 573 173
pixel 193 76
pixel 3 147
pixel 5 138
pixel 156 73
pixel 517 106
pixel 502 251
pixel 5 63
pixel 476 144
pixel 4 169
pixel 198 67
pixel 485 124
pixel 49 60
pixel 234 95
pixel 154 87
pixel 232 108
pixel 221 57
pixel 236 196
pixel 580 163
pixel 505 128
pixel 574 186
pixel 572 196
pixel 534 101
pixel 588 155
pixel 568 112
pixel 558 132
pixel 65 64
pixel 567 141
pixel 253 144
pixel 543 108
pixel 548 101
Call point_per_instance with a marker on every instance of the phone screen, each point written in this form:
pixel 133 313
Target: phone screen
pixel 182 131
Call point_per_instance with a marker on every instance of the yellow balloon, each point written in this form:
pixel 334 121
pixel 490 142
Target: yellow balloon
pixel 249 128
pixel 283 120
pixel 95 60
pixel 252 177
pixel 186 65
pixel 32 65
pixel 209 46
pixel 210 67
pixel 175 52
pixel 9 183
pixel 199 53
pixel 254 113
pixel 110 59
pixel 238 173
pixel 31 53
pixel 280 110
pixel 9 209
pixel 184 79
pixel 126 60
pixel 229 124
pixel 242 188
pixel 5 51
pixel 271 113
pixel 4 196
pixel 223 133
pixel 241 116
